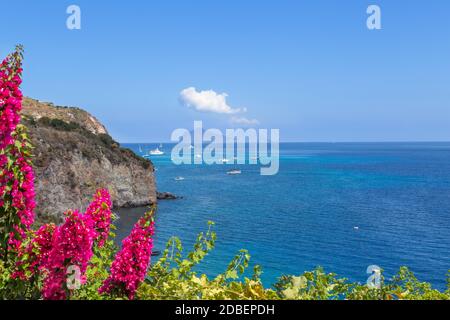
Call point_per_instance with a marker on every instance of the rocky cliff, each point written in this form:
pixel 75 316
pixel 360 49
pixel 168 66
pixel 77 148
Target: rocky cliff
pixel 74 155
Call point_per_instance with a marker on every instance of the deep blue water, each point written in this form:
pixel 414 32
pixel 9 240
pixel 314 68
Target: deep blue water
pixel 398 194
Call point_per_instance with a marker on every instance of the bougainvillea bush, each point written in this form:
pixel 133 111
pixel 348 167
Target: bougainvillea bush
pixel 79 259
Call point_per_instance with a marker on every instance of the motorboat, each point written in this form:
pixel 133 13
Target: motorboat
pixel 157 152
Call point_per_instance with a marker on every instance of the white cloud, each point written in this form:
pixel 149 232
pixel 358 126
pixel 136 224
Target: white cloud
pixel 244 121
pixel 207 101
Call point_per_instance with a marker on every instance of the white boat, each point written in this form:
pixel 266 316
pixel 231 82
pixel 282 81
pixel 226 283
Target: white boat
pixel 234 172
pixel 157 152
pixel 179 179
pixel 225 161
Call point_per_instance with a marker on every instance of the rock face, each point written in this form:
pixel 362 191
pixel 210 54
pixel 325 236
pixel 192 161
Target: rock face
pixel 74 156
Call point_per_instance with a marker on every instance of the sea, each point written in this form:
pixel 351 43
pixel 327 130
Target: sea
pixel 340 206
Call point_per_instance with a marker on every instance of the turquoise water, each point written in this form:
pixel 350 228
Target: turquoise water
pixel 397 194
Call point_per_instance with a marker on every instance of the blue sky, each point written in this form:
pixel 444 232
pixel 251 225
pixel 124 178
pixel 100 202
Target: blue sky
pixel 310 68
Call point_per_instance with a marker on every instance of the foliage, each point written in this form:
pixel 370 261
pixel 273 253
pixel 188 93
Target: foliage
pixel 173 277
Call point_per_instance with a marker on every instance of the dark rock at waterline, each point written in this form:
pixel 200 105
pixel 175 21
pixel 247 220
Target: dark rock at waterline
pixel 167 196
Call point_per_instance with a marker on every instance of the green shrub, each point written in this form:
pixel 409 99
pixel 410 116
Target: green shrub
pixel 173 277
pixel 58 124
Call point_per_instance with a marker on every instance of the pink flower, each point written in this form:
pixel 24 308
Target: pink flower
pixel 131 263
pixel 99 211
pixel 71 246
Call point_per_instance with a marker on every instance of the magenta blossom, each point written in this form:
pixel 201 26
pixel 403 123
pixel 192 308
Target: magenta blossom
pixel 72 246
pixel 131 263
pixel 99 211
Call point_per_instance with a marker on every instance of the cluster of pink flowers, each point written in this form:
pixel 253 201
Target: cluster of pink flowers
pixel 131 263
pixel 99 211
pixel 22 197
pixel 72 246
pixel 10 100
pixel 37 252
pixel 42 244
pixel 15 168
